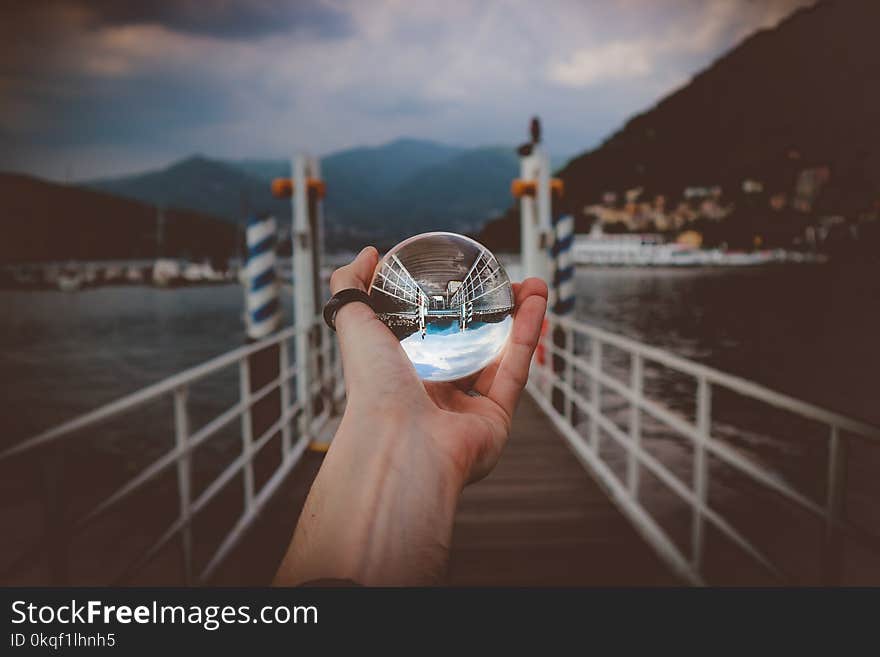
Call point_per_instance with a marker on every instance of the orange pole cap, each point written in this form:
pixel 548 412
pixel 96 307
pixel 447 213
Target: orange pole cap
pixel 317 187
pixel 282 188
pixel 520 188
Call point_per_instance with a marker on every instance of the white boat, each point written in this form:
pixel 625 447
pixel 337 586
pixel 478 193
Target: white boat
pixel 166 272
pixel 69 279
pixel 650 250
pixel 134 274
pixel 113 274
pixel 631 249
pixel 201 273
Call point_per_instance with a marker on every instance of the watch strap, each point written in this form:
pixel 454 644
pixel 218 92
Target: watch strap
pixel 341 298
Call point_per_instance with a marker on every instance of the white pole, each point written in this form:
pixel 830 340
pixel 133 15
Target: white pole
pixel 544 220
pixel 528 219
pixel 303 289
pixel 321 337
pixel 315 172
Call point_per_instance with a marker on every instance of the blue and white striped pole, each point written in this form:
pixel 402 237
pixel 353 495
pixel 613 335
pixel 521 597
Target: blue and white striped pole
pixel 261 298
pixel 562 301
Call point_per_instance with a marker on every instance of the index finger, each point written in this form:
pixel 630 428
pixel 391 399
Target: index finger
pixel 513 370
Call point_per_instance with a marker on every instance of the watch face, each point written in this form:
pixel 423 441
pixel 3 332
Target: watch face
pixel 448 301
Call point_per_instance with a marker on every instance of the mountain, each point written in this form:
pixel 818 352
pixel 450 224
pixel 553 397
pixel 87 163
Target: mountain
pixel 201 184
pixel 46 221
pixel 374 194
pixel 384 166
pixel 460 194
pixel 361 184
pixel 361 180
pixel 802 94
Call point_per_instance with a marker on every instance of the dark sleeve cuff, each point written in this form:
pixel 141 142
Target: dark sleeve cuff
pixel 330 583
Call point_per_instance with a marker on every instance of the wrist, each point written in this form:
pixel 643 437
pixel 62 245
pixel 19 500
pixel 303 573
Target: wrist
pixel 387 519
pixel 352 314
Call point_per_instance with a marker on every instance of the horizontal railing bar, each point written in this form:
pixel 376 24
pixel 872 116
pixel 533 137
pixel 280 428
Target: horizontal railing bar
pixel 167 387
pixel 232 469
pixel 722 451
pixel 207 495
pixel 148 394
pixel 173 455
pixel 265 390
pixel 197 506
pixel 719 449
pixel 729 381
pixel 642 522
pixel 164 461
pixel 265 494
pixel 145 475
pixel 666 476
pixel 730 456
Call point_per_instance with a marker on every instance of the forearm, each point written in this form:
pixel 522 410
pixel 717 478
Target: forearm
pixel 381 508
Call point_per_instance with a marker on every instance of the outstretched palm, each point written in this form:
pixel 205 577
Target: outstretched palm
pixel 468 420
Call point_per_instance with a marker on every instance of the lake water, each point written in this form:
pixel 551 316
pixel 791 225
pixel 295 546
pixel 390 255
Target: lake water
pixel 809 331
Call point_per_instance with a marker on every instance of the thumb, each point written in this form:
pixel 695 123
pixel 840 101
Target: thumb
pixel 358 273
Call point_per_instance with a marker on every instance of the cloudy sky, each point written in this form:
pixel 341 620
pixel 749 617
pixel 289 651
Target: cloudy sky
pixel 104 87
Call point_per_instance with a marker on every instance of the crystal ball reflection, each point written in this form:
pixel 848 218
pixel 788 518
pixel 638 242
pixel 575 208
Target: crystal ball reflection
pixel 448 301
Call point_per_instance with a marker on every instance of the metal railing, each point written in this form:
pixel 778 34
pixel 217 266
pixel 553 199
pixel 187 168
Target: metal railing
pixel 325 382
pixel 561 407
pixel 558 390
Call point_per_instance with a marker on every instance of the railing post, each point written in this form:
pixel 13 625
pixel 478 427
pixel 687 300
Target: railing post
pixel 184 485
pixel 247 438
pixel 635 424
pixel 528 213
pixel 569 375
pixel 543 203
pixel 547 374
pixel 832 548
pixel 700 475
pixel 304 292
pixel 284 373
pixel 595 390
pixel 316 227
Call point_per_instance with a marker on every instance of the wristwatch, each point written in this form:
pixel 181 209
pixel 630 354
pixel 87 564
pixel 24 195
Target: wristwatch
pixel 340 299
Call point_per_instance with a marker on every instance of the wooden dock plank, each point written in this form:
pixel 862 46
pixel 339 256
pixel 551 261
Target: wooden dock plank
pixel 537 520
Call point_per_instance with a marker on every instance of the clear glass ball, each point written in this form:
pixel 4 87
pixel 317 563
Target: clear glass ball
pixel 449 302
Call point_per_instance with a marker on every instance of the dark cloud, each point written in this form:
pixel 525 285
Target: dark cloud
pixel 73 89
pixel 218 18
pixel 131 111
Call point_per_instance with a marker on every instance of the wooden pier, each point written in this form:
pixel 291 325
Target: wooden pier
pixel 538 519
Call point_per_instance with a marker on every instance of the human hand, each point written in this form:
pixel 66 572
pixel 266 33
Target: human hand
pixel 382 507
pixel 468 420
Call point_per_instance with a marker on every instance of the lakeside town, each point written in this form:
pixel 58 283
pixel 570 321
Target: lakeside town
pixel 794 217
